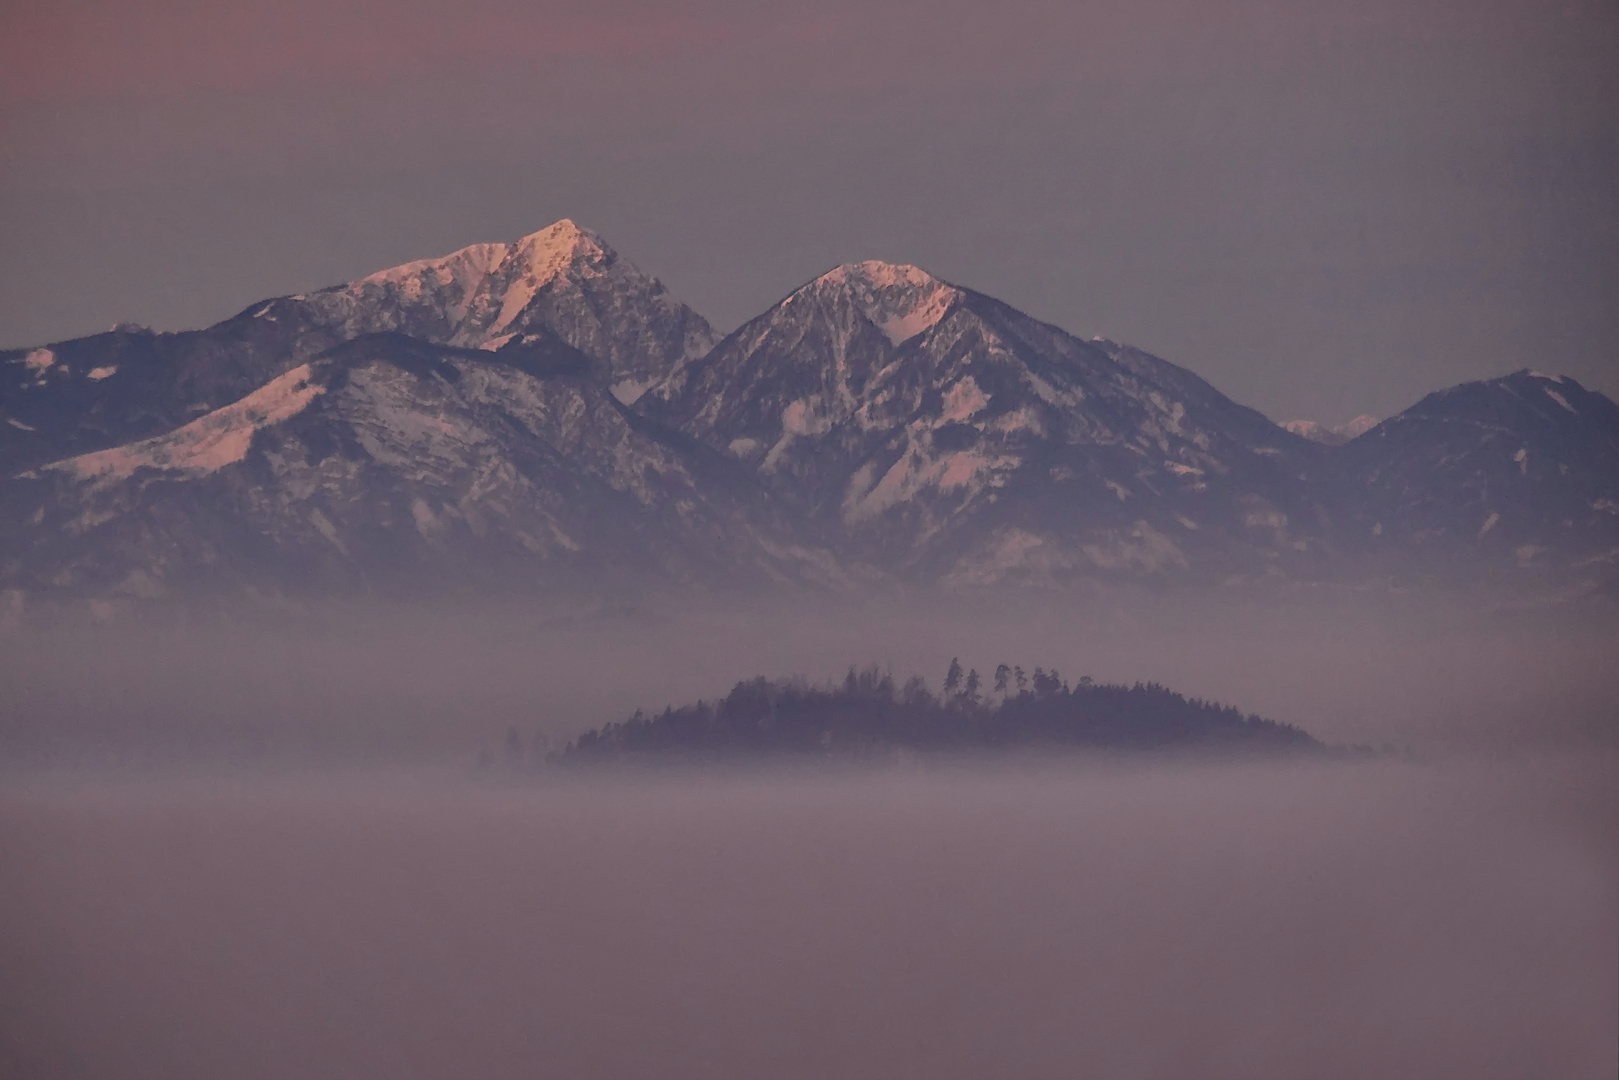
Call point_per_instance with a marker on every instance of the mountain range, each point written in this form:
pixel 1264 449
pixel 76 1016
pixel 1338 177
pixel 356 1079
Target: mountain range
pixel 541 417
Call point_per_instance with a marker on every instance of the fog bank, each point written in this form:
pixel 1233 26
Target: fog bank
pixel 395 683
pixel 1218 921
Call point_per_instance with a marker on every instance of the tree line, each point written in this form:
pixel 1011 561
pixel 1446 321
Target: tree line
pixel 870 714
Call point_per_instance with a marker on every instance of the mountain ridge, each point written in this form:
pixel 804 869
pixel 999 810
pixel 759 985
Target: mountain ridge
pixel 876 424
pixel 387 458
pixel 107 389
pixel 972 404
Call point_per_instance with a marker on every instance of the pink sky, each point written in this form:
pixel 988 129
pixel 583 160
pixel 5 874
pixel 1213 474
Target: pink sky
pixel 53 50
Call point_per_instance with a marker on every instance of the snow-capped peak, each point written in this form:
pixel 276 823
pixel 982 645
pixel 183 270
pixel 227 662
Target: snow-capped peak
pixel 1331 434
pixel 546 253
pixel 538 259
pixel 563 277
pixel 900 299
pixel 875 274
pixel 534 259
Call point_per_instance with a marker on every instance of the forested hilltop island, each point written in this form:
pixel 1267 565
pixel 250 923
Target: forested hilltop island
pixel 869 716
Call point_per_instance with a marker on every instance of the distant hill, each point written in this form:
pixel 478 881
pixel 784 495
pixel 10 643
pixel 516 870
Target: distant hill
pixel 869 716
pixel 1512 476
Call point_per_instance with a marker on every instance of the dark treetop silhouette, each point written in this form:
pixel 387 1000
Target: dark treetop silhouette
pixel 868 714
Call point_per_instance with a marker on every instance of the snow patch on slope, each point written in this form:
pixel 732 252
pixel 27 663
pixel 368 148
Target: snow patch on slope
pixel 1012 552
pixel 802 417
pixel 963 399
pixel 1561 400
pixel 799 419
pixel 208 443
pixel 629 391
pixel 1140 549
pixel 1331 434
pixel 536 260
pixel 900 300
pixel 402 429
pixel 468 282
pixel 968 472
pixel 466 267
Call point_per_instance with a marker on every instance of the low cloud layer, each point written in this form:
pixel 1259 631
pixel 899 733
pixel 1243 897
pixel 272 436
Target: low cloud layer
pixel 436 685
pixel 1325 921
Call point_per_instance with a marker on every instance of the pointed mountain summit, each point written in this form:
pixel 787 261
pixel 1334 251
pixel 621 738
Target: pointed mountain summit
pixel 899 299
pixel 922 423
pixel 563 278
pixel 823 344
pixel 91 393
pixel 435 424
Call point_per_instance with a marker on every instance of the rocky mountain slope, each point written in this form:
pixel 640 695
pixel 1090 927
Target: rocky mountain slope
pixel 1517 475
pixel 540 416
pixel 90 393
pixel 930 428
pixel 563 278
pixel 391 464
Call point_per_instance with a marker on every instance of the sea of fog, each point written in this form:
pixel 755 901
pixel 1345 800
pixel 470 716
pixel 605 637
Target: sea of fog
pixel 1388 919
pixel 256 846
pixel 435 683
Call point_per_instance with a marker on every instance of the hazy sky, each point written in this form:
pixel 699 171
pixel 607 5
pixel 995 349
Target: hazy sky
pixel 1326 207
